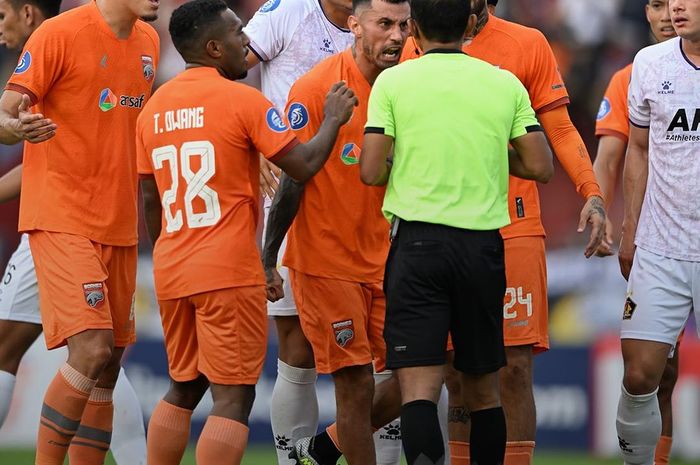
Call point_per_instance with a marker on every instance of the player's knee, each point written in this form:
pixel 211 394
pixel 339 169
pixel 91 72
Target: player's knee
pixel 354 384
pixel 638 382
pixel 480 392
pixel 187 394
pixel 452 382
pixel 516 377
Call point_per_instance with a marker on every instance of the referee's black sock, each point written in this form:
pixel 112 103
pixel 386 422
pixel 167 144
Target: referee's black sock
pixel 487 441
pixel 420 433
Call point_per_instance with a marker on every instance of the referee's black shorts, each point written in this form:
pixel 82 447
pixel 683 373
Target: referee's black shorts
pixel 439 279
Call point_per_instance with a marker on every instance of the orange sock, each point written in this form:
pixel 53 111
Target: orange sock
pixel 519 452
pixel 91 443
pixel 332 431
pixel 63 407
pixel 222 442
pixel 459 453
pixel 663 450
pixel 168 433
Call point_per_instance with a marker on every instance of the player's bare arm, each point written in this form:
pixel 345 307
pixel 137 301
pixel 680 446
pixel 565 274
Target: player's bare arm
pixel 606 167
pixel 634 186
pixel 284 208
pixel 11 184
pixel 152 208
pixel 269 175
pixel 18 123
pixel 375 161
pixel 305 160
pixel 532 158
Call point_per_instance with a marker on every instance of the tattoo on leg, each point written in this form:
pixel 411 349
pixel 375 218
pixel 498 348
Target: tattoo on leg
pixel 457 415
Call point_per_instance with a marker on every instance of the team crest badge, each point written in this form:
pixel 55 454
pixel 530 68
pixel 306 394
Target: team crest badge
pixel 344 332
pixel 630 307
pixel 94 294
pixel 149 71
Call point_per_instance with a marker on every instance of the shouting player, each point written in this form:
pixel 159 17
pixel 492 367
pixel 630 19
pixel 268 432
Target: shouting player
pixel 338 287
pixel 198 142
pixel 612 129
pixel 660 246
pixel 87 73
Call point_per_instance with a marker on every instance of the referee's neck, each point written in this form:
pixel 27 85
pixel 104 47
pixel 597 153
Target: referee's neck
pixel 428 45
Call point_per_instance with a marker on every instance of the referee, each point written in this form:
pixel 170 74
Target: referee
pixel 449 118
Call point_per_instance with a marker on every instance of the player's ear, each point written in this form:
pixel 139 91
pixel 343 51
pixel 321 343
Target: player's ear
pixel 354 25
pixel 471 26
pixel 27 14
pixel 214 48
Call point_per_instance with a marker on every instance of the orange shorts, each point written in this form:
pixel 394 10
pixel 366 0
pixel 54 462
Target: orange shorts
pixel 343 321
pixel 221 334
pixel 83 285
pixel 525 309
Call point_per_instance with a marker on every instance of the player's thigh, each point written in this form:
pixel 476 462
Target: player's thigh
pixel 121 284
pixel 19 292
pixel 231 326
pixel 15 339
pixel 659 298
pixel 525 309
pixel 181 344
pixel 334 315
pixel 71 277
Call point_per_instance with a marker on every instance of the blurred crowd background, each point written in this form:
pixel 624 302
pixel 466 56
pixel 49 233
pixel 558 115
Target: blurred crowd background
pixel 591 40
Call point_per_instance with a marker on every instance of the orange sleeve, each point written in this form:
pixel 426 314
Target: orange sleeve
pixel 305 106
pixel 41 63
pixel 570 150
pixel 410 50
pixel 265 127
pixel 143 160
pixel 544 82
pixel 613 114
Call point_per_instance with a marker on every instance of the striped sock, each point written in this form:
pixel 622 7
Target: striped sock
pixel 91 442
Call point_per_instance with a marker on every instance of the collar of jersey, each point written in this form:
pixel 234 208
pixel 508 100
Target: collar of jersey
pixel 444 50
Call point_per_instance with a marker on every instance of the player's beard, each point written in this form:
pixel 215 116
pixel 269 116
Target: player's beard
pixel 149 18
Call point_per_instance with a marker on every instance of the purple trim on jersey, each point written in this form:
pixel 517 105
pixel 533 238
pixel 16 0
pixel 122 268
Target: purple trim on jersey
pixel 680 44
pixel 638 125
pixel 261 56
pixel 328 19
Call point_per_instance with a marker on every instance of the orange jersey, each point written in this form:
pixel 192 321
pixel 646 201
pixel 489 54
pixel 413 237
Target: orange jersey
pixel 199 136
pixel 525 52
pixel 339 231
pixel 613 115
pixel 92 85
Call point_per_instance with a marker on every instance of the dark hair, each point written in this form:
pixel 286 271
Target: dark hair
pixel 493 2
pixel 358 3
pixel 49 8
pixel 441 20
pixel 191 21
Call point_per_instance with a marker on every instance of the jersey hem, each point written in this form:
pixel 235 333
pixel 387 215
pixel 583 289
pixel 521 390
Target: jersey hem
pixel 612 132
pixel 666 254
pixel 214 287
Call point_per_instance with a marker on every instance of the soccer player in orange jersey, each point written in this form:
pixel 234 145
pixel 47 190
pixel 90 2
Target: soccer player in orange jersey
pixel 198 141
pixel 337 284
pixel 525 52
pixel 86 73
pixel 612 129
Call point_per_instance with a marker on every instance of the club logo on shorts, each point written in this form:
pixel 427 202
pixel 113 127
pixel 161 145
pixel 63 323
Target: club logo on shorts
pixel 275 121
pixel 24 63
pixel 298 116
pixel 604 109
pixel 94 294
pixel 630 306
pixel 350 155
pixel 344 332
pixel 270 5
pixel 149 71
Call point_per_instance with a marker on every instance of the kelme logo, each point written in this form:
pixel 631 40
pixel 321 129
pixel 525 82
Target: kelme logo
pixel 350 154
pixel 107 100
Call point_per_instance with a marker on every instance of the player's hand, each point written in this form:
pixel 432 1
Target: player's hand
pixel 340 102
pixel 593 213
pixel 269 177
pixel 32 127
pixel 626 254
pixel 605 249
pixel 273 284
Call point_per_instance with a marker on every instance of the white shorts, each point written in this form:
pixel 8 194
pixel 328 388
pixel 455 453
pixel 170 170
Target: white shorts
pixel 661 294
pixel 285 306
pixel 19 293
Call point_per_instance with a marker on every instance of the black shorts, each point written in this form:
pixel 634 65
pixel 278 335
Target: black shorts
pixel 441 279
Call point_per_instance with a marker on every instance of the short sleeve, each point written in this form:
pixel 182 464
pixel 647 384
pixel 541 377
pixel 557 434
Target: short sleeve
pixel 305 107
pixel 40 64
pixel 266 128
pixel 266 30
pixel 380 111
pixel 544 81
pixel 524 119
pixel 638 104
pixel 143 160
pixel 613 118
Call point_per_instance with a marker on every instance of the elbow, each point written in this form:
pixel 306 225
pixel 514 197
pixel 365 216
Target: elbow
pixel 366 178
pixel 545 174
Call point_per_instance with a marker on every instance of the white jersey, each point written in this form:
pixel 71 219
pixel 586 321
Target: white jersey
pixel 290 37
pixel 664 96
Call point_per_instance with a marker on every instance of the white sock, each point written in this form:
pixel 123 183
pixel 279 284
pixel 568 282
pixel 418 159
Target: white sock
pixel 638 427
pixel 387 440
pixel 128 435
pixel 443 408
pixel 7 387
pixel 293 408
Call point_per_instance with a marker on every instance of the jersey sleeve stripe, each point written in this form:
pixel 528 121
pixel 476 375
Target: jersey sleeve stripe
pixel 23 90
pixel 641 126
pixel 284 150
pixel 555 104
pixel 373 130
pixel 254 48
